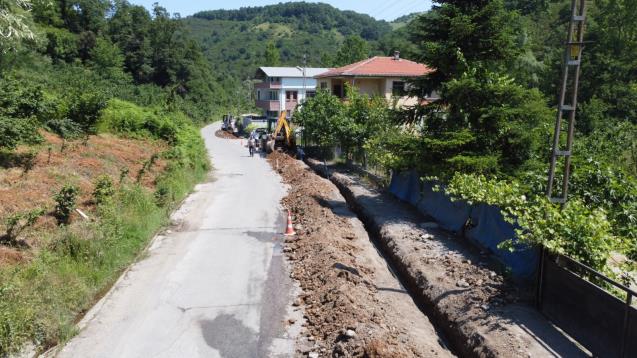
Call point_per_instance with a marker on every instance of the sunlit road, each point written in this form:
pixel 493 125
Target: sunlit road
pixel 214 284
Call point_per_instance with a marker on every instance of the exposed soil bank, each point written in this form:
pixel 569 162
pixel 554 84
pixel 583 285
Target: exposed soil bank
pixel 478 311
pixel 353 305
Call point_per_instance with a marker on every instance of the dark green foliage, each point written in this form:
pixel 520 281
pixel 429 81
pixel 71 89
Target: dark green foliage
pixel 320 118
pixel 20 99
pixel 484 121
pixel 14 131
pixel 353 49
pixel 272 57
pixel 457 35
pixel 65 201
pixel 309 17
pixel 103 190
pixel 234 41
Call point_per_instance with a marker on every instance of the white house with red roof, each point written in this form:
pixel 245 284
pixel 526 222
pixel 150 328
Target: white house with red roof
pixel 376 76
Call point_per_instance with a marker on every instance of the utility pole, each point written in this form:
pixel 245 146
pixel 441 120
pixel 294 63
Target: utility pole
pixel 567 104
pixel 304 75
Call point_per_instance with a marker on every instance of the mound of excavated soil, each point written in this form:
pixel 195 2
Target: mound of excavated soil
pixel 225 135
pixel 347 314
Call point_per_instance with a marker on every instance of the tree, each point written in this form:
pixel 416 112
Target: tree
pixel 320 118
pixel 272 57
pixel 354 49
pixel 457 34
pixel 484 122
pixel 15 24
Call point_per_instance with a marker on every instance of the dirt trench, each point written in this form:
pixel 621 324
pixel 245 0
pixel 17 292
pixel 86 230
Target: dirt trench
pixel 353 304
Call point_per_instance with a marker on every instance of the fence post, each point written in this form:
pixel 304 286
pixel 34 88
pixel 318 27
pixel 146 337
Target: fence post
pixel 540 279
pixel 629 299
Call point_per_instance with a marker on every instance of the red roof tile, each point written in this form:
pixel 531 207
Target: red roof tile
pixel 379 67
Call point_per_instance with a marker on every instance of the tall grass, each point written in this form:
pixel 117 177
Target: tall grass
pixel 41 300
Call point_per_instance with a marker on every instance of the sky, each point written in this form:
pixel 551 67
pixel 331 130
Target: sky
pixel 379 9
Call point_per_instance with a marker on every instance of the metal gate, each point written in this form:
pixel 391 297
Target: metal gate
pixel 604 324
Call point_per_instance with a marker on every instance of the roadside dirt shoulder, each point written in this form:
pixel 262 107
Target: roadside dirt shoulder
pixel 477 309
pixel 354 306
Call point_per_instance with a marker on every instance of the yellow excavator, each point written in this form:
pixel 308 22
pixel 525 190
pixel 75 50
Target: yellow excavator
pixel 283 136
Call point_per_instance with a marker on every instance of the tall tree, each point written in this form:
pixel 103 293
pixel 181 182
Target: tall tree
pixel 354 49
pixel 484 121
pixel 272 56
pixel 457 34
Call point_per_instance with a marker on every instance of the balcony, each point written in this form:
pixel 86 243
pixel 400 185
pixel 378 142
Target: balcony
pixel 269 105
pixel 268 85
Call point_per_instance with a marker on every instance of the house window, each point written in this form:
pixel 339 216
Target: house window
pixel 274 95
pixel 310 94
pixel 398 89
pixel 291 95
pixel 275 79
pixel 258 95
pixel 323 85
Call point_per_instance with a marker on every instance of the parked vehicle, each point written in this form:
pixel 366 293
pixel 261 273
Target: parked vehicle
pixel 259 134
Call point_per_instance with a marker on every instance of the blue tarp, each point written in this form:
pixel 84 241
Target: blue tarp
pixel 488 227
pixel 451 215
pixel 490 230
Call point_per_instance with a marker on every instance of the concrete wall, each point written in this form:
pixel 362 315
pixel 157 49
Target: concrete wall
pixel 370 86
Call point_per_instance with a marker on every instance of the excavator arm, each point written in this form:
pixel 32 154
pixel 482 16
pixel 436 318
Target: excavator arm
pixel 282 124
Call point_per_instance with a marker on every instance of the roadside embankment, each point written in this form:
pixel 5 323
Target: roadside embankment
pixel 477 309
pixel 128 178
pixel 352 303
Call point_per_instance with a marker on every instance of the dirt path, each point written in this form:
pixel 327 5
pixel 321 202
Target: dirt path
pixel 353 304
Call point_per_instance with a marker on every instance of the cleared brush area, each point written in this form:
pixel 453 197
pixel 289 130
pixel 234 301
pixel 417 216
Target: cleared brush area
pixel 126 180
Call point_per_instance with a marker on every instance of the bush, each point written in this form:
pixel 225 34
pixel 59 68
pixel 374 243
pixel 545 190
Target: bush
pixel 85 109
pixel 65 201
pixel 16 223
pixel 104 190
pixel 577 231
pixel 14 131
pixel 20 98
pixel 64 127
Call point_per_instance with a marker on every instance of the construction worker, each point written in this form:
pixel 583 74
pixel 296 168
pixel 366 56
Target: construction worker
pixel 251 146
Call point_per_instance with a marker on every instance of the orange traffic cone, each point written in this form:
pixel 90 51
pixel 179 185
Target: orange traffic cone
pixel 290 229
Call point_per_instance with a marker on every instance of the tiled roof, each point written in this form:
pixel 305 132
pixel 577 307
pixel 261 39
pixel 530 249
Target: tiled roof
pixel 291 71
pixel 379 67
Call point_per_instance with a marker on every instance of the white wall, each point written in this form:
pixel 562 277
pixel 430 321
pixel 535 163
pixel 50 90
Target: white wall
pixel 297 83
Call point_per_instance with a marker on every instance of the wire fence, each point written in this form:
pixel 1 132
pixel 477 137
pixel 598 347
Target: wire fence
pixel 357 159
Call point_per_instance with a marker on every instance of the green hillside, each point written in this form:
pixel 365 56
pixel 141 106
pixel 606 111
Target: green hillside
pixel 235 41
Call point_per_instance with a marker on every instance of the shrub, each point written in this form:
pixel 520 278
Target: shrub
pixel 85 108
pixel 64 127
pixel 14 131
pixel 16 223
pixel 104 190
pixel 65 201
pixel 576 230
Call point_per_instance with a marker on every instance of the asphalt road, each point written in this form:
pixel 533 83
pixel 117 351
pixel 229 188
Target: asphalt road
pixel 214 285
